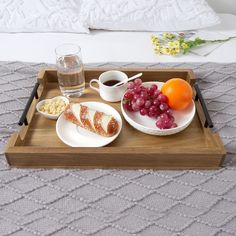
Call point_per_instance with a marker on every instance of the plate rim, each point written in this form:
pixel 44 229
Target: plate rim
pixel 112 137
pixel 157 131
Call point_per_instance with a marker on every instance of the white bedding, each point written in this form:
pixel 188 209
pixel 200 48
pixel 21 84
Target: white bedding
pixel 152 15
pixel 105 46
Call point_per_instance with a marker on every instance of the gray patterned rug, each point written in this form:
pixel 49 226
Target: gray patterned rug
pixel 118 202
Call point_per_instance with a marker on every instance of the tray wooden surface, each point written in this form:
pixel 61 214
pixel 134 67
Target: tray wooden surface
pixel 37 145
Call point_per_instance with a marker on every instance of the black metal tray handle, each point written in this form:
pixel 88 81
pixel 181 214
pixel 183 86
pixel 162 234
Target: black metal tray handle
pixel 34 94
pixel 208 122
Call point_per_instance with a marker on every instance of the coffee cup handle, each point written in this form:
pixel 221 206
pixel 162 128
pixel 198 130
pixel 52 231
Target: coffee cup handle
pixel 91 86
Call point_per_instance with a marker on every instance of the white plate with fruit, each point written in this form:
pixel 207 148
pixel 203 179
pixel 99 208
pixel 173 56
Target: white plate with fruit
pixel 158 108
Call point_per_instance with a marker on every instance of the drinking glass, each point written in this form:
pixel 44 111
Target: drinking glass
pixel 70 71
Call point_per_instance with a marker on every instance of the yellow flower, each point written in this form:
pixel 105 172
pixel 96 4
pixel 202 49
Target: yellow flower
pixel 184 45
pixel 165 34
pixel 153 37
pixel 155 40
pixel 165 50
pixel 174 51
pixel 174 48
pixel 157 49
pixel 176 44
pixel 168 35
pixel 170 45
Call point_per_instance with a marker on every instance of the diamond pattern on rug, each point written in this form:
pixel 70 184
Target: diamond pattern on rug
pixel 119 202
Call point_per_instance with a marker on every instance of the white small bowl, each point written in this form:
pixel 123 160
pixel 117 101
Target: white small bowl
pixel 50 116
pixel 147 124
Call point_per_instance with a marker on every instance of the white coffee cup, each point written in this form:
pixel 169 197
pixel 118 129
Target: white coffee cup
pixel 109 93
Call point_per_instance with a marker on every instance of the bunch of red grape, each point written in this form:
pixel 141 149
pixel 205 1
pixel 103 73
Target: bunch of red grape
pixel 149 101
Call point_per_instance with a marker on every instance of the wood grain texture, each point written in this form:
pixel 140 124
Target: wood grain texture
pixel 194 148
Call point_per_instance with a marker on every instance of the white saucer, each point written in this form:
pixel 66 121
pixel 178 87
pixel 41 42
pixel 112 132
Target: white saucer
pixel 76 136
pixel 147 124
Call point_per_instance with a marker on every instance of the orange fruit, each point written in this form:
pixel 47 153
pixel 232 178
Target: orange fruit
pixel 178 92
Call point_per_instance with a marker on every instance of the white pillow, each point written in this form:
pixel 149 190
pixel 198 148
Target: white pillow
pixel 41 16
pixel 149 15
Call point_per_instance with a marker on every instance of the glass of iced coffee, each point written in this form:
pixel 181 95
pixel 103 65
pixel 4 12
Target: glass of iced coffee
pixel 70 70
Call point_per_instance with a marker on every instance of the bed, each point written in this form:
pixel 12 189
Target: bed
pixel 109 46
pixel 118 202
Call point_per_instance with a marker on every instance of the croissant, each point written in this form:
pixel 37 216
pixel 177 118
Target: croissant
pixel 92 120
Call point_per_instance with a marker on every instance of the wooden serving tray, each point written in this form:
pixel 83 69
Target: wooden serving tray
pixel 37 145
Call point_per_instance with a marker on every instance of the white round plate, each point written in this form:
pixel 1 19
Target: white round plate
pixel 147 124
pixel 47 115
pixel 76 136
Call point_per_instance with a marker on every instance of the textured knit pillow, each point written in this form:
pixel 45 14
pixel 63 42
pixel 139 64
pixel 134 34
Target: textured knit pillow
pixel 41 16
pixel 149 15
